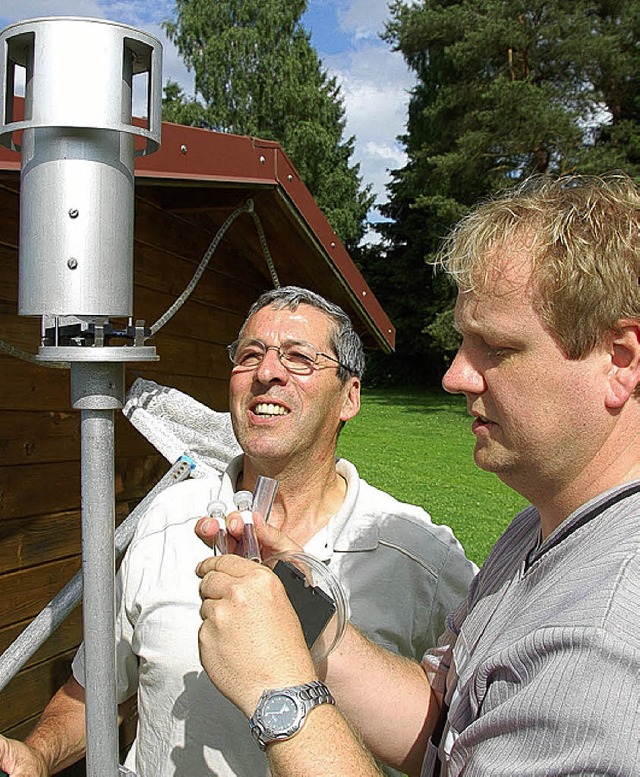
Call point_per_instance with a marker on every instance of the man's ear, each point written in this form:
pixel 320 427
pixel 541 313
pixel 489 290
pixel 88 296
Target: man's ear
pixel 624 374
pixel 351 403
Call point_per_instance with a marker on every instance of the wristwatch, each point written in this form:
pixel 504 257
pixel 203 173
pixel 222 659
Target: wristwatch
pixel 282 711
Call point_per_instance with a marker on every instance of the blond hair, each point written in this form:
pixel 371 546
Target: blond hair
pixel 583 236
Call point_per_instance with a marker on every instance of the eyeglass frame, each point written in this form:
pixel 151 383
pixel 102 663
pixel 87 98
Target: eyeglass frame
pixel 232 348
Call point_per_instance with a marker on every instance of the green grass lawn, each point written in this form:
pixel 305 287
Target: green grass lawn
pixel 417 445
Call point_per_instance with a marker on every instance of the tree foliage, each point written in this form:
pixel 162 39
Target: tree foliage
pixel 504 89
pixel 257 74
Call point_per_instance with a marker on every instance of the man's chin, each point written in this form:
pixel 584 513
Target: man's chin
pixel 257 437
pixel 266 449
pixel 491 460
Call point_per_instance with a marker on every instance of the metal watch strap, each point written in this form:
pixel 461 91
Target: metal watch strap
pixel 309 694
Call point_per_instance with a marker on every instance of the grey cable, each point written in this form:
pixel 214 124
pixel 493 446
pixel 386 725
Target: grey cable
pixel 265 248
pixel 29 357
pixel 246 207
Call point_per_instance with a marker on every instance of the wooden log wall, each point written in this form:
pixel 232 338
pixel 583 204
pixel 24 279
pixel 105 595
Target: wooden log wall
pixel 39 432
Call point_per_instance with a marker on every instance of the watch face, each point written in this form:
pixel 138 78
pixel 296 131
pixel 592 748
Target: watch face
pixel 281 713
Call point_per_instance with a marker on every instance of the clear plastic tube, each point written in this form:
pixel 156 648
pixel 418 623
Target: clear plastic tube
pixel 218 510
pixel 243 501
pixel 263 495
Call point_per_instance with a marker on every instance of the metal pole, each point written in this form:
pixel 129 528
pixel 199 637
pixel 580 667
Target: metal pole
pixel 76 270
pixel 97 389
pixel 98 566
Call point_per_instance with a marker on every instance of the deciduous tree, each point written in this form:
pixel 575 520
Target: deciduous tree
pixel 256 73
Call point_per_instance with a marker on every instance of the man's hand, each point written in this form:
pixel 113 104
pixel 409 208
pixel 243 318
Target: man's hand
pixel 20 760
pixel 250 638
pixel 272 540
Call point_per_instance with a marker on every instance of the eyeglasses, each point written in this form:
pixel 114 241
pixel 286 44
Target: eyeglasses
pixel 298 357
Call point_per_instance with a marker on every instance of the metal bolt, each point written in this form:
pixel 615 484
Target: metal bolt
pixel 289 178
pixel 333 245
pixel 183 149
pixel 72 264
pixel 262 160
pixel 73 213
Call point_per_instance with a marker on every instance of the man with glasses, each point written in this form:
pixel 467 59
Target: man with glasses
pixel 297 367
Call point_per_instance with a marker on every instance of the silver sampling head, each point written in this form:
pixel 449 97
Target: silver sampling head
pixel 78 147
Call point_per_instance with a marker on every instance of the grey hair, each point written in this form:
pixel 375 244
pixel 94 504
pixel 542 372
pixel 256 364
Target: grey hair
pixel 345 341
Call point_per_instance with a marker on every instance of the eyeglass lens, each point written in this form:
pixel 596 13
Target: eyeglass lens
pixel 296 357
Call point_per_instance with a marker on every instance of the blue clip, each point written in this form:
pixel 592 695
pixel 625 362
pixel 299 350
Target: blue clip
pixel 188 460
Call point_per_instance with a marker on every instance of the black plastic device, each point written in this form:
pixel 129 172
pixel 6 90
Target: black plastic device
pixel 313 606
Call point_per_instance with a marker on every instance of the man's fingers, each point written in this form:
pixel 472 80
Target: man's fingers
pixel 229 563
pixel 207 528
pixel 271 540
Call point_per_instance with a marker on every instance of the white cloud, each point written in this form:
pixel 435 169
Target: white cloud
pixel 375 83
pixel 394 155
pixel 11 11
pixel 364 19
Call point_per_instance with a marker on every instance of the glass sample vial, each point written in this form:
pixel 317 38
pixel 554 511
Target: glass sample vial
pixel 243 501
pixel 218 510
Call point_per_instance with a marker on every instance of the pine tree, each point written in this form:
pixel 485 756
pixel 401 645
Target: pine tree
pixel 505 89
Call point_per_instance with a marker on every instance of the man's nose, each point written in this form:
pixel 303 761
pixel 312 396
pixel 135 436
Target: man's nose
pixel 463 377
pixel 271 368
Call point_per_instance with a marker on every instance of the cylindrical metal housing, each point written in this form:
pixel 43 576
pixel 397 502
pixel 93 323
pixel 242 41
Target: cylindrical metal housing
pixel 77 180
pixel 76 223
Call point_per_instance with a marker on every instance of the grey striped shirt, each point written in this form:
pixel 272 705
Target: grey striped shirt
pixel 542 661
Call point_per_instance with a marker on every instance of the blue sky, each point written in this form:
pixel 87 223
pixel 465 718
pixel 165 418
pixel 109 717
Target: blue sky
pixel 374 81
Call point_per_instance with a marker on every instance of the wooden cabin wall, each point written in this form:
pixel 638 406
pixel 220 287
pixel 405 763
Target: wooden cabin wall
pixel 40 537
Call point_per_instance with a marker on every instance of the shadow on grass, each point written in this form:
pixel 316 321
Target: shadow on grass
pixel 416 400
